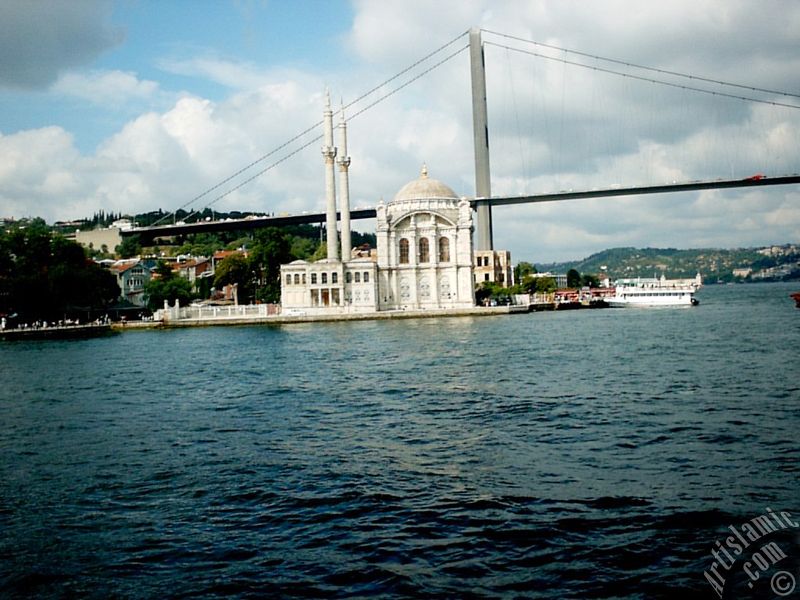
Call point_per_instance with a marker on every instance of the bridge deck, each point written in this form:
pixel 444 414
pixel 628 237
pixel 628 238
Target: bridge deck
pixel 756 181
pixel 150 233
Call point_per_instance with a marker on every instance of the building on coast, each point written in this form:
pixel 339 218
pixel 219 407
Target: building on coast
pixel 132 276
pixel 424 258
pixel 493 266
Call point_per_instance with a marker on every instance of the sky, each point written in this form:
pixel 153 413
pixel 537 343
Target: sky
pixel 135 105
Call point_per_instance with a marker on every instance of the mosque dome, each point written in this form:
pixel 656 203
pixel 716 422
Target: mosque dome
pixel 424 188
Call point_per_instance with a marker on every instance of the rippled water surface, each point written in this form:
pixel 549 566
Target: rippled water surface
pixel 583 454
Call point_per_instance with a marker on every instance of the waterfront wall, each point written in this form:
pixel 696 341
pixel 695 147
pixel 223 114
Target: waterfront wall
pixel 171 314
pixel 190 316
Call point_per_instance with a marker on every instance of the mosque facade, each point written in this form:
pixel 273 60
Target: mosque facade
pixel 425 248
pixel 424 238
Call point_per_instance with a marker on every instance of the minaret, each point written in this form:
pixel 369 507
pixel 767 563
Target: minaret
pixel 344 188
pixel 329 153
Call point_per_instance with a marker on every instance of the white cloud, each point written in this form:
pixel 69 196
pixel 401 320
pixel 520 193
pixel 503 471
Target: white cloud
pixel 105 88
pixel 552 126
pixel 232 74
pixel 37 169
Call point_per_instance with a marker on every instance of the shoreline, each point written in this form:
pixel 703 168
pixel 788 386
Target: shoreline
pixel 56 332
pixel 477 311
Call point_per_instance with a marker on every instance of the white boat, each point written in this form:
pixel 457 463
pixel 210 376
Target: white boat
pixel 655 292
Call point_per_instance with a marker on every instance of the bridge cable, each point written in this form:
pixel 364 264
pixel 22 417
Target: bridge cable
pixel 315 126
pixel 648 79
pixel 351 117
pixel 522 155
pixel 646 68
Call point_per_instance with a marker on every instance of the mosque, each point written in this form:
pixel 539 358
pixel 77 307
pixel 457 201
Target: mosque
pixel 424 260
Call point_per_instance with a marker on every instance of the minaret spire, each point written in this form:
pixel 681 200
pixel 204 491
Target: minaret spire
pixel 329 154
pixel 344 187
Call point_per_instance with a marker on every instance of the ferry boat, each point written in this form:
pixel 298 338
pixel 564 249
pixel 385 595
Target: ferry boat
pixel 655 292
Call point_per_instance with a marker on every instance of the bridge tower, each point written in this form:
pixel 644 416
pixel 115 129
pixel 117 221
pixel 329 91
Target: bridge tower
pixel 480 128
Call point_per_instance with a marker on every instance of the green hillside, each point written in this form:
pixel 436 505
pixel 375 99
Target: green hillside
pixel 714 264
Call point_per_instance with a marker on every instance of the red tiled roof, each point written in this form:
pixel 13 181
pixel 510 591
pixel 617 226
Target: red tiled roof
pixel 121 268
pixel 221 254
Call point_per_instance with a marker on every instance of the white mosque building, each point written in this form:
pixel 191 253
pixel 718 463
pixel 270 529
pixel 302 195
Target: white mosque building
pixel 424 249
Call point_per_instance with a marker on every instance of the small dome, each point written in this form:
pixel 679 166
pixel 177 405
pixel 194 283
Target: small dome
pixel 424 188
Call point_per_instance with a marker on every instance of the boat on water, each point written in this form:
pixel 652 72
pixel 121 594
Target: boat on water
pixel 56 332
pixel 655 292
pixel 796 297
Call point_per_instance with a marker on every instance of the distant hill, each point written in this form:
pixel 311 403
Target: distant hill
pixel 740 264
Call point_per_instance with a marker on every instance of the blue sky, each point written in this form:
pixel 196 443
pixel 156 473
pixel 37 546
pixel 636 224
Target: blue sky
pixel 155 36
pixel 137 105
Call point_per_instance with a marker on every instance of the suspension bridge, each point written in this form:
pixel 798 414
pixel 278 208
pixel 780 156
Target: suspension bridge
pixel 483 202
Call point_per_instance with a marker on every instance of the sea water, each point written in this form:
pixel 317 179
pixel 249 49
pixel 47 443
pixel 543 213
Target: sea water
pixel 579 454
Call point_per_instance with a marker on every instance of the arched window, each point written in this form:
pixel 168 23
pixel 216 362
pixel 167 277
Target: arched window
pixel 348 277
pixel 358 277
pixel 424 250
pixel 313 278
pixel 304 278
pixel 366 276
pixel 324 278
pixel 297 278
pixel 444 249
pixel 288 279
pixel 334 278
pixel 403 251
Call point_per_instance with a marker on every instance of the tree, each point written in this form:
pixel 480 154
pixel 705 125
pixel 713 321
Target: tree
pixel 47 277
pixel 28 259
pixel 271 248
pixel 527 284
pixel 235 270
pixel 573 279
pixel 100 286
pixel 490 290
pixel 165 285
pixel 238 243
pixel 590 281
pixel 201 244
pixel 486 291
pixel 538 285
pixel 303 248
pixel 523 269
pixel 321 252
pixel 130 246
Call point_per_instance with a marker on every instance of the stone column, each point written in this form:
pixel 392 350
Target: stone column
pixel 329 154
pixel 344 189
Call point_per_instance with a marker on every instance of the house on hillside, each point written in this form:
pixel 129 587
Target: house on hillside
pixel 132 276
pixel 193 269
